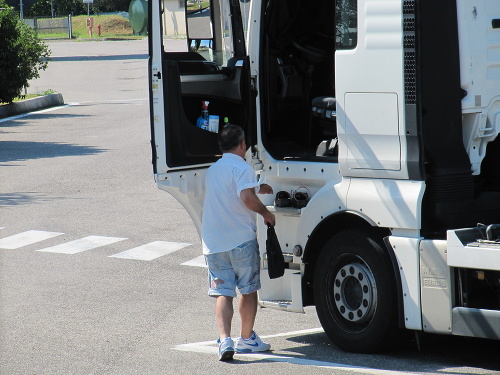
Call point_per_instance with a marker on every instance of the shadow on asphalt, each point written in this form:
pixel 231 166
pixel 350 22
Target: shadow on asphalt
pixel 15 199
pixel 449 354
pixel 11 151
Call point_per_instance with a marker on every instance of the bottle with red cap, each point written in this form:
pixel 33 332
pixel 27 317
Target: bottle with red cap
pixel 202 121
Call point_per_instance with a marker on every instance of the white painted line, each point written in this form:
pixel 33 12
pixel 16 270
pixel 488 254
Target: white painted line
pixel 196 262
pixel 151 250
pixel 26 238
pixel 34 113
pixel 69 105
pixel 83 244
pixel 108 101
pixel 210 347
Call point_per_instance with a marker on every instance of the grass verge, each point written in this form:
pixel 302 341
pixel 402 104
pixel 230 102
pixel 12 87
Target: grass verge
pixel 112 26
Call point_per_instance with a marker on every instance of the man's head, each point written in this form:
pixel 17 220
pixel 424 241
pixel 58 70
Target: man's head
pixel 231 137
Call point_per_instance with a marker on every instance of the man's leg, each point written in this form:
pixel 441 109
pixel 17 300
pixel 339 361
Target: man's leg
pixel 248 310
pixel 224 315
pixel 249 341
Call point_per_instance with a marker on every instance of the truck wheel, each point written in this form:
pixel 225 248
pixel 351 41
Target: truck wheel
pixel 354 292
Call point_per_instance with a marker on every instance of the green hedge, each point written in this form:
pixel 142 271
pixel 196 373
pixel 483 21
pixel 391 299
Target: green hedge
pixel 22 54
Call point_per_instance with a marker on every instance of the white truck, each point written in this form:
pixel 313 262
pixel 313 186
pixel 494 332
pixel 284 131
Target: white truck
pixel 387 114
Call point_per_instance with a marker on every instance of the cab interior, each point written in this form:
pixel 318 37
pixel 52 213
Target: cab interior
pixel 296 85
pixel 297 82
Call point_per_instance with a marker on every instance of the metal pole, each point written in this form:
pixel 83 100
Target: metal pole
pixel 21 15
pixel 70 27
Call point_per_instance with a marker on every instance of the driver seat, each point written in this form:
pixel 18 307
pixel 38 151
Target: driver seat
pixel 324 108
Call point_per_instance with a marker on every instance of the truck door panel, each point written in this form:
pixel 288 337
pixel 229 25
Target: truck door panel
pixel 189 78
pixel 189 144
pixel 212 66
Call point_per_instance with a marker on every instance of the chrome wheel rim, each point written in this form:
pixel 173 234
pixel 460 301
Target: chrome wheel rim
pixel 355 292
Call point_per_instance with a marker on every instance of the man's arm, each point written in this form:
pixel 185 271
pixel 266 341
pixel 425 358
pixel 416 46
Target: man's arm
pixel 251 200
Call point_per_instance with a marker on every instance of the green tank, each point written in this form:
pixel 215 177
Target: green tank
pixel 138 16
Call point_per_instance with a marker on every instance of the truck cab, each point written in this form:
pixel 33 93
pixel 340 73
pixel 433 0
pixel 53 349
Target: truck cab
pixel 385 116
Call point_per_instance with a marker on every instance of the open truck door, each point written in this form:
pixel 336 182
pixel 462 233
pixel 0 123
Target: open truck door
pixel 213 67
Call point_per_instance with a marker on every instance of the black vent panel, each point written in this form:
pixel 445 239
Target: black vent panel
pixel 410 69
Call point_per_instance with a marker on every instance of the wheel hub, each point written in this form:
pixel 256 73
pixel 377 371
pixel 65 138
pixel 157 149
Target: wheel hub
pixel 355 293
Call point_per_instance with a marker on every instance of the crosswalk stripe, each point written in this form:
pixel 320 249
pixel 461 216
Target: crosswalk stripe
pixel 82 244
pixel 196 262
pixel 151 250
pixel 26 238
pixel 145 252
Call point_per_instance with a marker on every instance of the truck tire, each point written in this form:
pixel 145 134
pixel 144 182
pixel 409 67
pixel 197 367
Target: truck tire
pixel 355 293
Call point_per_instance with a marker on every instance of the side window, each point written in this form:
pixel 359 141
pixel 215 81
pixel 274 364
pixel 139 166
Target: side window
pixel 227 50
pixel 199 27
pixel 245 14
pixel 210 28
pixel 346 21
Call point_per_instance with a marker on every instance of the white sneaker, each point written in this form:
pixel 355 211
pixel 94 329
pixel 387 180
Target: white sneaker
pixel 226 349
pixel 253 344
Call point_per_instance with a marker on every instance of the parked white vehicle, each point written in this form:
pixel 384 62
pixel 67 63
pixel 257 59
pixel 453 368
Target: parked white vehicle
pixel 388 113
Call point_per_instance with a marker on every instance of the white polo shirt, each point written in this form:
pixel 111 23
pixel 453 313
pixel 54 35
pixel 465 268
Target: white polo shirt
pixel 226 221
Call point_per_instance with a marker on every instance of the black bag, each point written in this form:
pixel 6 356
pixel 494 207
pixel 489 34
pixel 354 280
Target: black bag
pixel 275 259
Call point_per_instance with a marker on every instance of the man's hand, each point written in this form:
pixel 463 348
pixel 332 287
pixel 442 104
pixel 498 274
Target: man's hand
pixel 269 218
pixel 265 189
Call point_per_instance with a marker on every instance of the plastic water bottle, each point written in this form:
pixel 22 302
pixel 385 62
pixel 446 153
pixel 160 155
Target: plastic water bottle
pixel 213 123
pixel 202 121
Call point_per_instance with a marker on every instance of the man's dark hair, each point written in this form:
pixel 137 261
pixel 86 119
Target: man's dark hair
pixel 230 137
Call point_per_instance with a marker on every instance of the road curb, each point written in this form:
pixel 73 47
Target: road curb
pixel 31 105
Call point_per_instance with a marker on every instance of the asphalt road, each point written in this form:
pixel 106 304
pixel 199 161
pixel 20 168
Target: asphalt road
pixel 100 271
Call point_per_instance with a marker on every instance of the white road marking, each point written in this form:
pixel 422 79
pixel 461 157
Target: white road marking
pixel 83 244
pixel 68 105
pixel 26 238
pixel 145 252
pixel 210 347
pixel 34 113
pixel 108 101
pixel 196 262
pixel 151 250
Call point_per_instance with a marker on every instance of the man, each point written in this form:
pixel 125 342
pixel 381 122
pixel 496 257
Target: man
pixel 230 241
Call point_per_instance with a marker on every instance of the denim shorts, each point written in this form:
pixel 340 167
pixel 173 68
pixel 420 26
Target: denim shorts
pixel 239 267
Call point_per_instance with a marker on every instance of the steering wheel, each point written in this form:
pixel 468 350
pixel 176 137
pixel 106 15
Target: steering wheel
pixel 312 54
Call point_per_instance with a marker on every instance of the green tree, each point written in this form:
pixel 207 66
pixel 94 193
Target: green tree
pixel 43 8
pixel 22 54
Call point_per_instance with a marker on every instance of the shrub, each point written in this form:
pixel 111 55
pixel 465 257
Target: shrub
pixel 22 54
